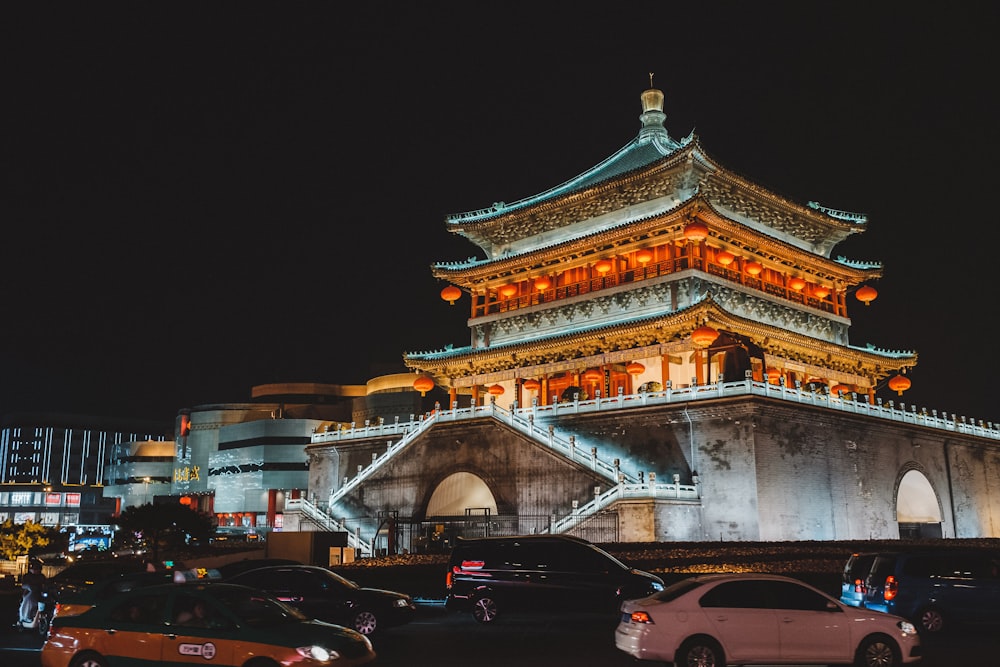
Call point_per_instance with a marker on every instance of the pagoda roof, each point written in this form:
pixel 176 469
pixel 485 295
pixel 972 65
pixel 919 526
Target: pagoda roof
pixel 650 174
pixel 467 272
pixel 865 360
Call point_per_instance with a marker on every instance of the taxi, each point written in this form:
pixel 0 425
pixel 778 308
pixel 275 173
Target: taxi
pixel 215 624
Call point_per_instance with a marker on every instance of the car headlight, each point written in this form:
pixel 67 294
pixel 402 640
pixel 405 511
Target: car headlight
pixel 657 587
pixel 400 602
pixel 317 653
pixel 907 628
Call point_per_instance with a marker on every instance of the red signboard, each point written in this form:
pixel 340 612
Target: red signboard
pixel 73 499
pixel 54 498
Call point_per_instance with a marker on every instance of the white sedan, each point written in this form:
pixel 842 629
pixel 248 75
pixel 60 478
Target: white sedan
pixel 720 619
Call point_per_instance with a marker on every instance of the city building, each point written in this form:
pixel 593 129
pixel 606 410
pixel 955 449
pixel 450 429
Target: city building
pixel 139 472
pixel 242 462
pixel 659 349
pixel 54 469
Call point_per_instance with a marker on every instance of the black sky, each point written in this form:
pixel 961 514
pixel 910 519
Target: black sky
pixel 202 197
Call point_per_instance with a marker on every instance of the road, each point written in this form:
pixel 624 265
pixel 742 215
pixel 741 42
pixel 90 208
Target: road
pixel 443 639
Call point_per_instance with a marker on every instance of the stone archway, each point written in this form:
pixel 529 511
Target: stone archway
pixel 458 492
pixel 918 510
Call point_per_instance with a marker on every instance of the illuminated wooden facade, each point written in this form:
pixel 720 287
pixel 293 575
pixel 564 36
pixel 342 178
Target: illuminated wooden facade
pixel 598 284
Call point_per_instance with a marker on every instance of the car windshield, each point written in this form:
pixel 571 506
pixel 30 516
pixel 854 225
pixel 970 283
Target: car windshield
pixel 256 610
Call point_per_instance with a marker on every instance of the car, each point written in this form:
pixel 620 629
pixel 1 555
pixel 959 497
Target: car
pixel 753 618
pixel 323 594
pixel 936 588
pixel 493 575
pixel 77 601
pixel 197 623
pixel 79 576
pixel 852 581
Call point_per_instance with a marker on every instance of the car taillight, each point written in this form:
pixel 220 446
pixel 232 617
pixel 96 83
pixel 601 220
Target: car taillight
pixel 859 586
pixel 640 617
pixel 891 586
pixel 447 580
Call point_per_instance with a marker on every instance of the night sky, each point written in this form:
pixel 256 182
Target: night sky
pixel 203 197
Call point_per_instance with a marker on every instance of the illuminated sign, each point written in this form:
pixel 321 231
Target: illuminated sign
pixel 73 499
pixel 187 474
pixel 54 498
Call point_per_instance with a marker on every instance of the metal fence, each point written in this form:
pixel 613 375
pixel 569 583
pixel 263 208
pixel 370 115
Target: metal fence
pixel 398 535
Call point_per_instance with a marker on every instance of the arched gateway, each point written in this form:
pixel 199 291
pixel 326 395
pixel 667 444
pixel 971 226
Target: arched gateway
pixel 918 509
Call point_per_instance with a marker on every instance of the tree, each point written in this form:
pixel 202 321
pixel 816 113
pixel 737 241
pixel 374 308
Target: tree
pixel 166 525
pixel 19 539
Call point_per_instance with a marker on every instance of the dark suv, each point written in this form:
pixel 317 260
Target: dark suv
pixel 936 588
pixel 496 574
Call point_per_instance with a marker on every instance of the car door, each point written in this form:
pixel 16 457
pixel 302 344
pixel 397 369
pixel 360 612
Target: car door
pixel 196 639
pixel 741 618
pixel 811 627
pixel 133 630
pixel 314 592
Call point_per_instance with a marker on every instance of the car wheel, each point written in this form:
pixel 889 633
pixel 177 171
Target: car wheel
pixel 365 622
pixel 700 652
pixel 930 620
pixel 484 609
pixel 878 651
pixel 88 660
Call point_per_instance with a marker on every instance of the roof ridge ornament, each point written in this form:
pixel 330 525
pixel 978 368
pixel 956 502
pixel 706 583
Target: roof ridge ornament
pixel 652 113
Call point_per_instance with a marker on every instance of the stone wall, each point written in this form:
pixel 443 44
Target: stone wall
pixel 767 470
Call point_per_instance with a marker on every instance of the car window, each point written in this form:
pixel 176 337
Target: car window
pixel 253 579
pixel 677 589
pixel 141 609
pixel 738 595
pixel 256 610
pixel 197 612
pixel 883 567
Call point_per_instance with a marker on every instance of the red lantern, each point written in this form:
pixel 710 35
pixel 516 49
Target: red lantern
pixel 593 375
pixel 496 390
pixel 542 283
pixel 839 389
pixel 423 384
pixel 704 336
pixel 753 268
pixel 603 266
pixel 634 368
pixel 451 294
pixel 725 258
pixel 899 384
pixel 797 283
pixel 508 291
pixel 866 294
pixel 184 500
pixel 531 385
pixel 644 256
pixel 696 231
pixel 821 292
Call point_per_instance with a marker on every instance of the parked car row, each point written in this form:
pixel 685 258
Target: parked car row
pixel 709 620
pixel 934 588
pixel 887 599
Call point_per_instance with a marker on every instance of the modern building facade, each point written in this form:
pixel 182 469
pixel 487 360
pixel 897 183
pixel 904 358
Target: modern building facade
pixel 243 462
pixel 54 467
